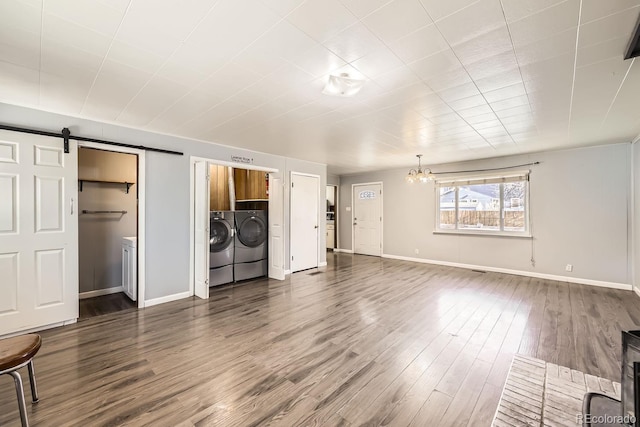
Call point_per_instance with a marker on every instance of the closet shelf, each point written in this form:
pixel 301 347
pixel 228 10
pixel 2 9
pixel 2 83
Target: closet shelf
pixel 127 184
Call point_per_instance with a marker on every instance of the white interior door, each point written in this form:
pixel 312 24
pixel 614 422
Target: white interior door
pixel 276 228
pixel 201 229
pixel 38 232
pixel 367 219
pixel 305 191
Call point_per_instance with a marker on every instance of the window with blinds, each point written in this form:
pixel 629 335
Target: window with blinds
pixel 484 204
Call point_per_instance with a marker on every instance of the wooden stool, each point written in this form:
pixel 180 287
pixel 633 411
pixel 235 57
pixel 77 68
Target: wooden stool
pixel 15 353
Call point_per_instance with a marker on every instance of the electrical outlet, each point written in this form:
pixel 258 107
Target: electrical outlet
pixel 417 251
pixel 569 267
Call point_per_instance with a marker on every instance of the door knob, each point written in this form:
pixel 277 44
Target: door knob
pixel 315 226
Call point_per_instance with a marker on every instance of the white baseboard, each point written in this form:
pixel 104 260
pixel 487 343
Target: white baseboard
pixel 40 328
pixel 637 291
pixel 100 292
pixel 322 264
pixel 287 272
pixel 346 251
pixel 613 285
pixel 168 298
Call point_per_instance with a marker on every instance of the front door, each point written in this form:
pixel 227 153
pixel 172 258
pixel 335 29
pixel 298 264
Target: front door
pixel 367 219
pixel 305 190
pixel 38 232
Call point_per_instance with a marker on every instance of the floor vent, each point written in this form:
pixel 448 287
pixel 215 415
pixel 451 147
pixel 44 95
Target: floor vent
pixel 478 271
pixel 313 273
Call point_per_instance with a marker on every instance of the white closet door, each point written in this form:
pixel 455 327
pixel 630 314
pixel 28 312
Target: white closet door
pixel 38 232
pixel 201 221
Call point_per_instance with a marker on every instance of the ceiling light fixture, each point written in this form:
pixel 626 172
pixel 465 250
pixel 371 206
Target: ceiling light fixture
pixel 343 85
pixel 419 175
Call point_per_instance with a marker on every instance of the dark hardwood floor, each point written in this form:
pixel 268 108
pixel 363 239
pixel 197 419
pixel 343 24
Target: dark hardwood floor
pixel 105 304
pixel 367 341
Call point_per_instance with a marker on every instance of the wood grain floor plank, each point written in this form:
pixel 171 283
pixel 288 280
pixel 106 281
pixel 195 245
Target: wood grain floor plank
pixel 367 341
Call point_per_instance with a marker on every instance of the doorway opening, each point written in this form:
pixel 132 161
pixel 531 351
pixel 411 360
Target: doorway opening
pixel 332 217
pixel 236 224
pixel 108 230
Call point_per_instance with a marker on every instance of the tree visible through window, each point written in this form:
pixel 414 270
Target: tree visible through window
pixel 484 205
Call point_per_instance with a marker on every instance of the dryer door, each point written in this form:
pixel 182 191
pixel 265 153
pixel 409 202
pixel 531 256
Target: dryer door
pixel 252 231
pixel 220 236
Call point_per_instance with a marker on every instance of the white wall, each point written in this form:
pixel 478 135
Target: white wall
pixel 579 211
pixel 167 189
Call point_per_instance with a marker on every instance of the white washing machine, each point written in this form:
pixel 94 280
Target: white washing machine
pixel 251 245
pixel 221 247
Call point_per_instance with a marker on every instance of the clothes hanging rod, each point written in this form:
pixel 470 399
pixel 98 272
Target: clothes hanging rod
pixel 103 212
pixel 65 134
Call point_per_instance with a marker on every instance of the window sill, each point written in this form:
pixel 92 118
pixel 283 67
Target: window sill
pixel 485 233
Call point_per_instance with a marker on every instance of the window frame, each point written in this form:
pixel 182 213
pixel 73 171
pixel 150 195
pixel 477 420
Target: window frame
pixel 457 182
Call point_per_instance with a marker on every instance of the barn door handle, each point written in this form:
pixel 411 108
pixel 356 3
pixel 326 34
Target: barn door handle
pixel 71 203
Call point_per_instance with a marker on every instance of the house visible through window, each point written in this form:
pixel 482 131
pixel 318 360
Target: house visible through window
pixel 484 205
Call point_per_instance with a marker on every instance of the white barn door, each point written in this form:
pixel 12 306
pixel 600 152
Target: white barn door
pixel 367 219
pixel 38 232
pixel 305 191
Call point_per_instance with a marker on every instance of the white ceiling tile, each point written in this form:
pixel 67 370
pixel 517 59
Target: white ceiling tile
pixel 438 9
pixel 20 47
pixel 178 72
pixel 119 5
pixel 58 59
pixel 467 113
pixel 505 93
pixel 501 63
pixel 397 19
pixel 156 96
pixel 135 57
pixel 378 62
pixel 505 104
pixel 318 61
pixel 463 91
pixel 498 81
pixel 217 34
pixel 559 44
pixel 283 7
pixel 609 49
pixel 58 92
pixel 17 14
pixel 322 20
pixel 91 14
pixel 518 9
pixel 354 42
pixel 227 81
pixel 482 118
pixel 362 8
pixel 70 34
pixel 596 9
pixel 514 111
pixel 620 25
pixel 114 87
pixel 214 117
pixel 185 109
pixel 402 76
pixel 456 83
pixel 494 45
pixel 421 43
pixel 19 84
pixel 470 102
pixel 478 18
pixel 436 64
pixel 545 23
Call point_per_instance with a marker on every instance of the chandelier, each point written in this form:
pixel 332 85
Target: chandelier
pixel 419 175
